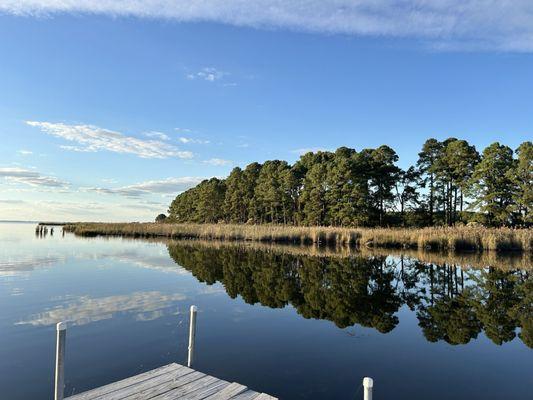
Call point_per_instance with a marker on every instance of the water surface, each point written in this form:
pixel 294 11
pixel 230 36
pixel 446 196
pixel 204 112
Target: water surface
pixel 279 320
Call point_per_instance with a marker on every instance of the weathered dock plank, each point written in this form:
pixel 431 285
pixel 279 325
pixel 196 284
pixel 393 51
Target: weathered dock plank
pixel 112 387
pixel 172 382
pixel 229 392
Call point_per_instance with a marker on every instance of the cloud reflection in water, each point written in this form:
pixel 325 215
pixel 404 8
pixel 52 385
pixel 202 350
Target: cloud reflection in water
pixel 82 310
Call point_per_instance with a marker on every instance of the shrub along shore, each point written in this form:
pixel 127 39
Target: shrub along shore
pixel 434 238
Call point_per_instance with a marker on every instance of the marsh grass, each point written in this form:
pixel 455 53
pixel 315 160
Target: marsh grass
pixel 445 238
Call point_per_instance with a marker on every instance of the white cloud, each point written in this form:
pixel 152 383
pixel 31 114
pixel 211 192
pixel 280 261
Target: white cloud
pixel 10 201
pixel 164 186
pixel 183 130
pixel 489 24
pixel 188 140
pixel 25 152
pixel 158 135
pixel 31 177
pixel 92 138
pixel 209 74
pixel 218 162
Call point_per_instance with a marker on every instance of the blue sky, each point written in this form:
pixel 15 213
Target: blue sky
pixel 108 109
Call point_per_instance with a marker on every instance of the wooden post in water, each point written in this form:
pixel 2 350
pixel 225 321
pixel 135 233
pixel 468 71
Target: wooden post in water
pixel 368 384
pixel 192 335
pixel 61 328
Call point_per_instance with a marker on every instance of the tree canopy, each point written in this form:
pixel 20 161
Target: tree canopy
pixel 450 183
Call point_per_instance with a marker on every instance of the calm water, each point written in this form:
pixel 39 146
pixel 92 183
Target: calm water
pixel 296 326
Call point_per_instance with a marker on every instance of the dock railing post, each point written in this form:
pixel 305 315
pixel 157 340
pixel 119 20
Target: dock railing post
pixel 61 329
pixel 368 384
pixel 192 335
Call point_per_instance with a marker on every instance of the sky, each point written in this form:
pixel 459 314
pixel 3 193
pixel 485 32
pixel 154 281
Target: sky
pixel 109 109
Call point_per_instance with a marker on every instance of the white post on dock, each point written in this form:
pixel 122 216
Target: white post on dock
pixel 192 335
pixel 368 384
pixel 61 328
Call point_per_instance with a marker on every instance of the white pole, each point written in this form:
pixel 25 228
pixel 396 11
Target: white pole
pixel 61 328
pixel 368 384
pixel 192 335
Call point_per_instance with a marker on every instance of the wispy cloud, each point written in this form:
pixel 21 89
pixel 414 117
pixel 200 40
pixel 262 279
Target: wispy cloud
pixel 218 162
pixel 25 152
pixel 10 201
pixel 183 130
pixel 209 74
pixel 31 177
pixel 487 24
pixel 188 140
pixel 90 138
pixel 158 135
pixel 164 186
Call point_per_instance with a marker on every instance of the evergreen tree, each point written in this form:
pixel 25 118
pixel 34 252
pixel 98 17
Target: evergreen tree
pixel 383 178
pixel 235 204
pixel 210 201
pixel 348 196
pixel 406 191
pixel 269 192
pixel 492 184
pixel 315 187
pixel 250 176
pixel 522 176
pixel 461 160
pixel 427 158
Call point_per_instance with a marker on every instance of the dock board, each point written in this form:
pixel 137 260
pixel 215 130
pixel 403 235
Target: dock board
pixel 172 382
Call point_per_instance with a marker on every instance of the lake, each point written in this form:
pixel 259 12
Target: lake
pixel 293 322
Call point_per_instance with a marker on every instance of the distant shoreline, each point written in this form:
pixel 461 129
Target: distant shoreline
pixel 442 238
pixel 6 221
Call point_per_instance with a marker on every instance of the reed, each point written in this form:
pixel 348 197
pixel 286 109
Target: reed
pixel 442 238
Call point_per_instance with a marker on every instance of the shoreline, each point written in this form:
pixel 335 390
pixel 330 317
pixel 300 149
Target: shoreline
pixel 446 238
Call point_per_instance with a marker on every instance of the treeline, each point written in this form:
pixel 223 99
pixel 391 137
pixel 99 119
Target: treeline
pixel 451 183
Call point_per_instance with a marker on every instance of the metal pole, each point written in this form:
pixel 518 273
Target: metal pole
pixel 192 335
pixel 368 384
pixel 61 328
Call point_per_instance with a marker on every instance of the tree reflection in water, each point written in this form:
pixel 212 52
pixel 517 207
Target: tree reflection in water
pixel 451 304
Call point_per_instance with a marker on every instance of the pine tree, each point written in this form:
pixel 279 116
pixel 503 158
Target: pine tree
pixel 235 198
pixel 431 151
pixel 492 184
pixel 210 201
pixel 461 160
pixel 522 176
pixel 384 175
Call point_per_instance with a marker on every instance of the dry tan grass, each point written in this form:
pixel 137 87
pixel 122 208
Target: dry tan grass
pixel 448 238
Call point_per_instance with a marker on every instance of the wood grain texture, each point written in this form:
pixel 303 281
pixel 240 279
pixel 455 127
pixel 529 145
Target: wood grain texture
pixel 172 382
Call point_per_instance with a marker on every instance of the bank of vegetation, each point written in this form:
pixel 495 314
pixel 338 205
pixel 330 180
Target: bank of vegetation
pixel 430 238
pixel 451 183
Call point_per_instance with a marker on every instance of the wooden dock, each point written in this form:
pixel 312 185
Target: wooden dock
pixel 172 382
